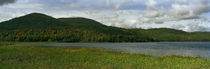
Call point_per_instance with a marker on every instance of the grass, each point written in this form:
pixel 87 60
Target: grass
pixel 7 43
pixel 13 57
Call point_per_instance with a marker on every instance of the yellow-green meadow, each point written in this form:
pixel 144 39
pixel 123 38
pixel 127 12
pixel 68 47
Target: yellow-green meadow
pixel 16 57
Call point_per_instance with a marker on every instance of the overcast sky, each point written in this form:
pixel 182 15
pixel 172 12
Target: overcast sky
pixel 187 15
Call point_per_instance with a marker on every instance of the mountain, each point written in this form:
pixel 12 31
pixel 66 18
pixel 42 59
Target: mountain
pixel 42 21
pixel 79 21
pixel 91 25
pixel 41 27
pixel 34 20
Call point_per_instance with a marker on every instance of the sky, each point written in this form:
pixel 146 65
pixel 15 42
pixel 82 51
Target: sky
pixel 186 15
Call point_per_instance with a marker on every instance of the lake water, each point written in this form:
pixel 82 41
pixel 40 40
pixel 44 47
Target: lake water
pixel 196 49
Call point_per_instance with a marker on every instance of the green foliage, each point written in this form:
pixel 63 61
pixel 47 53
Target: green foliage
pixel 39 27
pixel 90 58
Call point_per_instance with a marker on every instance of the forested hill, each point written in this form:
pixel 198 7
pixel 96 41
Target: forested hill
pixel 38 27
pixel 31 21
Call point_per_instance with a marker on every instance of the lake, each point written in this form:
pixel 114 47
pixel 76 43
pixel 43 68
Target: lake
pixel 196 49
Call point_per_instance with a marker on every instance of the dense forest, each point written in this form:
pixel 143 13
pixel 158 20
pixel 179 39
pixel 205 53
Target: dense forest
pixel 37 27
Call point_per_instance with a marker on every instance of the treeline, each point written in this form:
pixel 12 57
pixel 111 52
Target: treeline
pixel 81 35
pixel 76 35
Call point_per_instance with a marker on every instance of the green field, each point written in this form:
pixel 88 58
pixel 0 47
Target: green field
pixel 90 58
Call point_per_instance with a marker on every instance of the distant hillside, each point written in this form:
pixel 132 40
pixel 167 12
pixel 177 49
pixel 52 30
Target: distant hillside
pixel 81 21
pixel 34 20
pixel 41 27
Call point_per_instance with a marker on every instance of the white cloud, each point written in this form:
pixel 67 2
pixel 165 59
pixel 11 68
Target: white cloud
pixel 180 10
pixel 25 6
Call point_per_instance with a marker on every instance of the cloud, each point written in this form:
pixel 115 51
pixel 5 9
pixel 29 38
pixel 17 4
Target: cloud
pixel 26 6
pixel 5 17
pixel 196 27
pixel 117 4
pixel 179 10
pixel 3 2
pixel 191 10
pixel 71 3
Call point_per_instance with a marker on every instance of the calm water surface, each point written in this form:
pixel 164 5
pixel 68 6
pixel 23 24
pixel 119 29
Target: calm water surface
pixel 196 49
